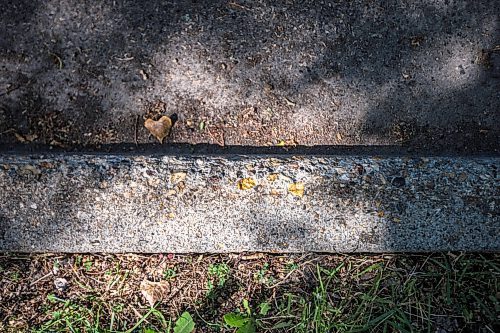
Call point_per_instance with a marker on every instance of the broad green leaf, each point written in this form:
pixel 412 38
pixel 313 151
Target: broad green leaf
pixel 184 324
pixel 264 308
pixel 235 319
pixel 249 327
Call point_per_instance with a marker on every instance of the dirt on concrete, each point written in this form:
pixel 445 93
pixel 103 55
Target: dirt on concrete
pixel 424 75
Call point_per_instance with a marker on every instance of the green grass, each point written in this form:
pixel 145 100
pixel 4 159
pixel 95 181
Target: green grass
pixel 403 293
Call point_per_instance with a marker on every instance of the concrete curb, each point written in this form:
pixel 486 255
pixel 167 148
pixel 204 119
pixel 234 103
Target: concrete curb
pixel 181 204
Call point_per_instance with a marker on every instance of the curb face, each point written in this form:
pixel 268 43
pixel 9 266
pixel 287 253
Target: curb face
pixel 181 204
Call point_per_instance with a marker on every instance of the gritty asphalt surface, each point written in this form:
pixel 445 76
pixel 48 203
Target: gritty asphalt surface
pixel 423 75
pixel 415 82
pixel 110 203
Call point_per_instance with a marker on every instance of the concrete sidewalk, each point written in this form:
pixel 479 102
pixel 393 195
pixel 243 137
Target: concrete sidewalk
pixel 110 203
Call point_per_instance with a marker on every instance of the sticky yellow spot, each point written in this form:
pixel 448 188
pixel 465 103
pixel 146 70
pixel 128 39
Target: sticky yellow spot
pixel 177 177
pixel 272 177
pixel 296 189
pixel 246 183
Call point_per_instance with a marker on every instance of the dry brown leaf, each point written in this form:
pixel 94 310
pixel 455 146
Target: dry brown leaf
pixel 159 128
pixel 296 189
pixel 246 183
pixel 154 291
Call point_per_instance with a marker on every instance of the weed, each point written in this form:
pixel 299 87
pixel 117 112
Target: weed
pixel 386 293
pixel 184 324
pixel 291 266
pixel 169 273
pixel 88 265
pixel 56 265
pixel 217 275
pixel 78 260
pixel 14 276
pixel 262 277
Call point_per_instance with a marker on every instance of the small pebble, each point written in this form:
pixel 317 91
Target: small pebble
pixel 61 284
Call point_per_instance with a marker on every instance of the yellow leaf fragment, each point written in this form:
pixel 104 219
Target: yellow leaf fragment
pixel 246 183
pixel 272 177
pixel 339 137
pixel 296 189
pixel 159 128
pixel 177 177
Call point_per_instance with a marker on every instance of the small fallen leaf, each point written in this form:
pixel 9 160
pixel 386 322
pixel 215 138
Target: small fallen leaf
pixel 380 214
pixel 177 177
pixel 296 189
pixel 281 143
pixel 246 183
pixel 339 137
pixel 272 177
pixel 202 126
pixel 154 291
pixel 159 128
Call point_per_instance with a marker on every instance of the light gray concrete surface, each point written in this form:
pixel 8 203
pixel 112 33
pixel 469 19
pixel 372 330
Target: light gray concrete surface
pixel 94 203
